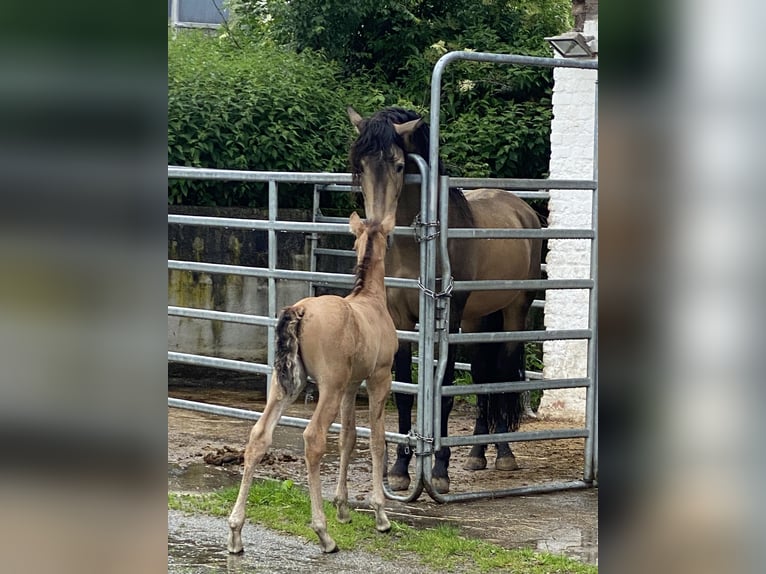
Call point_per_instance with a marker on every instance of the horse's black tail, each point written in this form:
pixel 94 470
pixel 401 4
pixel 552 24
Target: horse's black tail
pixel 504 410
pixel 499 362
pixel 288 366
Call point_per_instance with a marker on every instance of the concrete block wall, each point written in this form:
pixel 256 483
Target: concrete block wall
pixel 571 158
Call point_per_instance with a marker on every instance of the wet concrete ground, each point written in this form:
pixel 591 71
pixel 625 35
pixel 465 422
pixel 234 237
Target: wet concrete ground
pixel 561 523
pixel 197 544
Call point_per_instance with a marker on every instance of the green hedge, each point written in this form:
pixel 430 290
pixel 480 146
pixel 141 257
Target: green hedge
pixel 263 95
pixel 260 107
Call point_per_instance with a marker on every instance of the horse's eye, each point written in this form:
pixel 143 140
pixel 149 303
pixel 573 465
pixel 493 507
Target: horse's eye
pixel 399 167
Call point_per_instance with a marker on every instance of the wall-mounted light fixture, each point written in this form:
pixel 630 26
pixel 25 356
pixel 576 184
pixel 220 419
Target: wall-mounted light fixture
pixel 574 45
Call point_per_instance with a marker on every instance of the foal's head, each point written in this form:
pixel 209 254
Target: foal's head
pixel 370 245
pixel 378 156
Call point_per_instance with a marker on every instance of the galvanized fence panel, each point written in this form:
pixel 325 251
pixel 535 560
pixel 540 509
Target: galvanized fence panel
pixel 436 214
pixel 424 439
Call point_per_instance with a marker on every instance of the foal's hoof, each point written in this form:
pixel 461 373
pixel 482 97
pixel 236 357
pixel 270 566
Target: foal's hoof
pixel 330 548
pixel 506 463
pixel 234 544
pixel 475 463
pixel 398 482
pixel 440 485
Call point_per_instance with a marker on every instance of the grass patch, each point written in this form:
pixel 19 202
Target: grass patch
pixel 282 506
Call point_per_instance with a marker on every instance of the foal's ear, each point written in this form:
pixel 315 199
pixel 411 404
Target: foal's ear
pixel 356 224
pixel 408 127
pixel 355 118
pixel 388 223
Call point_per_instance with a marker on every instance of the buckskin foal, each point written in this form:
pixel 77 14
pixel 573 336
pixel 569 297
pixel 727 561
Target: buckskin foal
pixel 338 342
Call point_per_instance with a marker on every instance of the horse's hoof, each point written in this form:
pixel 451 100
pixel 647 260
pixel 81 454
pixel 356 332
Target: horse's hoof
pixel 506 463
pixel 440 485
pixel 330 548
pixel 475 463
pixel 398 482
pixel 234 544
pixel 384 526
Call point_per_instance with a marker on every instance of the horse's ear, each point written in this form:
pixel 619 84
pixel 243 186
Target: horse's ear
pixel 388 223
pixel 356 225
pixel 408 127
pixel 355 118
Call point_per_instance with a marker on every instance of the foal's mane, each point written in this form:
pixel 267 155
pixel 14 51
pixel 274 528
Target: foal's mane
pixel 364 265
pixel 377 135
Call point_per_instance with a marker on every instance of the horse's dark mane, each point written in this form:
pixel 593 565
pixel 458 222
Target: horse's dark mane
pixel 377 135
pixel 364 265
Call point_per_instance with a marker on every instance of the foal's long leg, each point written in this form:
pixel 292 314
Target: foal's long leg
pixel 378 387
pixel 315 445
pixel 257 445
pixel 347 442
pixel 399 476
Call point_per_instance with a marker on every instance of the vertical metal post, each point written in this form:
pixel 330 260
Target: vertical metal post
pixel 427 316
pixel 272 236
pixel 314 241
pixel 446 278
pixel 591 391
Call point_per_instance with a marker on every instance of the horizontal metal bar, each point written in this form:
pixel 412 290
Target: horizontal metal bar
pixel 533 194
pixel 514 386
pixel 557 335
pixel 406 388
pixel 203 173
pixel 339 187
pixel 546 233
pixel 343 181
pixel 221 316
pixel 337 225
pixel 259 224
pixel 538 304
pixel 294 422
pixel 517 491
pixel 215 362
pixel 341 279
pixel 522 284
pixel 182 172
pixel 334 252
pixel 528 436
pixel 521 184
pixel 518 60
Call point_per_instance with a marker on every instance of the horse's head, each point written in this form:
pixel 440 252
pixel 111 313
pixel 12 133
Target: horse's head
pixel 378 156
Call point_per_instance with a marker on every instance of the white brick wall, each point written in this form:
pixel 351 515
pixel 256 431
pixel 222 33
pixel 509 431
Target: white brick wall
pixel 571 158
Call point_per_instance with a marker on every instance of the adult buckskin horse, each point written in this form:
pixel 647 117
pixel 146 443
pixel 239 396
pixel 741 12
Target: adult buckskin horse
pixel 378 159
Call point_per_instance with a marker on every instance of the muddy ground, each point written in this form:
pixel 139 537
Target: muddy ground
pixel 563 522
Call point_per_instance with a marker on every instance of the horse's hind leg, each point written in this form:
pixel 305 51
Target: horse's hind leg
pixel 347 442
pixel 399 476
pixel 315 445
pixel 257 445
pixel 476 458
pixel 506 409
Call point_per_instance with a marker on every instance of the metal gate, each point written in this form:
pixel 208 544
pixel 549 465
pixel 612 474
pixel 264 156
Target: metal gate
pixel 425 439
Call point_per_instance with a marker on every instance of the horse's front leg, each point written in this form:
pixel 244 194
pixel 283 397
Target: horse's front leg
pixel 440 477
pixel 399 476
pixel 378 387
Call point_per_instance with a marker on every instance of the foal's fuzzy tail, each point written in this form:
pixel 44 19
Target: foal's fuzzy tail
pixel 288 366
